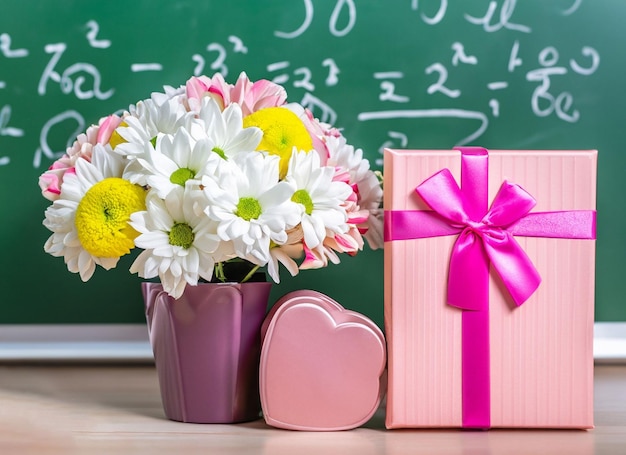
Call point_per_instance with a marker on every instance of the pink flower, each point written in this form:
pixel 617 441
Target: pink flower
pixel 216 87
pixel 251 96
pixel 375 227
pixel 285 254
pixel 352 168
pixel 51 180
pixel 351 242
pixel 254 96
pixel 314 259
pixel 318 131
pixel 106 127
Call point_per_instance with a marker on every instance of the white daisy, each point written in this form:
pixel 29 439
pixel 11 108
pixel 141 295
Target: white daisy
pixel 319 197
pixel 251 206
pixel 158 114
pixel 225 129
pixel 89 221
pixel 176 159
pixel 141 128
pixel 179 245
pixel 168 93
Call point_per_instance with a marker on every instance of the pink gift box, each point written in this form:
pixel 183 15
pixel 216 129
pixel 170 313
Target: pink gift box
pixel 524 356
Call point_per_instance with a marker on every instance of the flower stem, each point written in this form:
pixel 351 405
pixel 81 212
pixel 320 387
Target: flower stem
pixel 250 273
pixel 219 272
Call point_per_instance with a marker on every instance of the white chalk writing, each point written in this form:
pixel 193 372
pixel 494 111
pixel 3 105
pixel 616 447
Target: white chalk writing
pixel 341 7
pixel 464 80
pixel 333 72
pixel 5 47
pixel 439 85
pixel 65 81
pixel 44 146
pixel 219 56
pixel 460 57
pixel 5 118
pixel 433 113
pixel 506 13
pixel 573 8
pixel 435 18
pixel 138 67
pixel 92 36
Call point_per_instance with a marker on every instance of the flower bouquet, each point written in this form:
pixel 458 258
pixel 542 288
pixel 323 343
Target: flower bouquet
pixel 211 182
pixel 210 177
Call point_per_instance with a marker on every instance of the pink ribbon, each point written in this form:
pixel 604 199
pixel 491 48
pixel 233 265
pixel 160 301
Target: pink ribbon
pixel 485 237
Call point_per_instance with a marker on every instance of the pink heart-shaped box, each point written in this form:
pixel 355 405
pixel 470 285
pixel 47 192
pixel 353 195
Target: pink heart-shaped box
pixel 322 366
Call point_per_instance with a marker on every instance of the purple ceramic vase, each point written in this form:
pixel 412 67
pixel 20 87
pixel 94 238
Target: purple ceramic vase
pixel 206 349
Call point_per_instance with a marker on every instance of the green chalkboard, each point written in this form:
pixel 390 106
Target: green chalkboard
pixel 502 74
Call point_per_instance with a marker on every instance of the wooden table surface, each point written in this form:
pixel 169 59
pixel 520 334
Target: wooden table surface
pixel 109 409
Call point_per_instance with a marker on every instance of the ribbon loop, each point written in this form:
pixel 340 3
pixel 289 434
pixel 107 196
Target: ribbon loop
pixel 444 196
pixel 510 204
pixel 508 258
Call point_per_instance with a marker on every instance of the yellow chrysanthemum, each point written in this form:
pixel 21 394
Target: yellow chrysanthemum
pixel 282 130
pixel 102 217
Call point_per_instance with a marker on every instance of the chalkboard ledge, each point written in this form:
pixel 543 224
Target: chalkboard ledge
pixel 609 342
pixel 128 343
pixel 97 343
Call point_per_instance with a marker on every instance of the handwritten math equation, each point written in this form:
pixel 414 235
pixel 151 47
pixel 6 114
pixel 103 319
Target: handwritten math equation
pixel 82 80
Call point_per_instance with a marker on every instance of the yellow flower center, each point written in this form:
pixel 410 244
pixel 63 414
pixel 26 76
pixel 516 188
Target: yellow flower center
pixel 181 235
pixel 102 217
pixel 303 197
pixel 248 208
pixel 181 175
pixel 282 130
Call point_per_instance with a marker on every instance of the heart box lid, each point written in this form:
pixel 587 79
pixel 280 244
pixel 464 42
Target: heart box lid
pixel 322 366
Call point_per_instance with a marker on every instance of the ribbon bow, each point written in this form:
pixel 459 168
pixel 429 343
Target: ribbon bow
pixel 482 239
